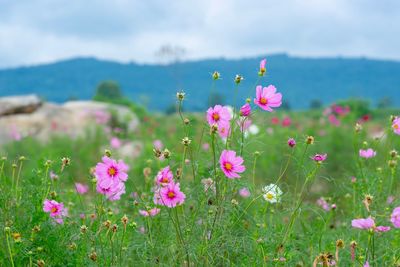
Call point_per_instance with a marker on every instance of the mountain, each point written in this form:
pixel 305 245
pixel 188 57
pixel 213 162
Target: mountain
pixel 299 79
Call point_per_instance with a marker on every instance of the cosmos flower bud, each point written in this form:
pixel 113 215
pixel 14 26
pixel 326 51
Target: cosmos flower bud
pixel 22 158
pixel 186 121
pixel 166 153
pixel 216 75
pixel 157 152
pixel 72 246
pixel 180 96
pixel 394 153
pixel 36 229
pixel 40 263
pixel 248 100
pixel 310 140
pixel 93 256
pixel 214 128
pixel 114 228
pixel 238 78
pixel 83 229
pixel 234 202
pixel 291 142
pixel 392 163
pixel 245 110
pixel 256 153
pixel 107 153
pixel 107 224
pixel 14 166
pixel 47 163
pixel 367 201
pixel 358 128
pixel 124 220
pixel 340 243
pixel 186 141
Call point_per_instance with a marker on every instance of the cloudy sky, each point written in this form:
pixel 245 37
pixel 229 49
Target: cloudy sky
pixel 39 31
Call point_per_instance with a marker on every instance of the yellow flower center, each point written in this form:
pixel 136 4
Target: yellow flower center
pixel 112 171
pixel 215 116
pixel 263 101
pixel 228 166
pixel 164 180
pixel 269 196
pixel 171 194
pixel 53 210
pixel 395 126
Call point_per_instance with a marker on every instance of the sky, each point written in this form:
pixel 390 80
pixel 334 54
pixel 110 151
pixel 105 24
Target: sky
pixel 40 31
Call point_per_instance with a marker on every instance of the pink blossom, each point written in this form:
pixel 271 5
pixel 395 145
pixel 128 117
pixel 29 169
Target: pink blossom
pixel 291 142
pixel 218 115
pixel 262 71
pixel 115 143
pixel 245 110
pixel 286 122
pixel 53 175
pixel 275 120
pixel 111 169
pixel 395 217
pixel 244 192
pixel 363 223
pixel 169 195
pixel 267 98
pixel 81 188
pixel 53 207
pixel 369 153
pixel 366 264
pixel 15 134
pixel 333 120
pixel 323 204
pixel 164 176
pixel 231 164
pixel 205 146
pixel 396 125
pixel 151 212
pixel 224 129
pixel 319 157
pixel 382 228
pixel 102 117
pixel 158 144
pixel 113 189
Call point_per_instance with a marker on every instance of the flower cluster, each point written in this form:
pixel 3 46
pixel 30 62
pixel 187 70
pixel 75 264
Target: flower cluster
pixel 56 210
pixel 167 192
pixel 111 176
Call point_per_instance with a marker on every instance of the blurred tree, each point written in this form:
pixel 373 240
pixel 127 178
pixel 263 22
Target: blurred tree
pixel 315 104
pixel 384 102
pixel 359 107
pixel 108 91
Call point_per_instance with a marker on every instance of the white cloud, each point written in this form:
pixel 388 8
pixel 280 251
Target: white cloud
pixel 33 32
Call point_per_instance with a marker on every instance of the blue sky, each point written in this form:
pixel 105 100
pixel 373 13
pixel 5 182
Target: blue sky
pixel 40 31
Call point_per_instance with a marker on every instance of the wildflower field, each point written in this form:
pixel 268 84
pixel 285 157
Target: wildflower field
pixel 249 184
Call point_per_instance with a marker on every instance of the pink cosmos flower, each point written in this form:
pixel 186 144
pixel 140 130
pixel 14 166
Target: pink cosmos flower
pixel 323 204
pixel 224 129
pixel 262 71
pixel 395 217
pixel 231 164
pixel 115 143
pixel 286 122
pixel 205 146
pixel 53 175
pixel 319 157
pixel 112 189
pixel 245 110
pixel 218 115
pixel 367 224
pixel 369 153
pixel 170 195
pixel 275 120
pixel 396 125
pixel 267 98
pixel 164 176
pixel 151 212
pixel 333 120
pixel 158 144
pixel 291 142
pixel 53 207
pixel 244 192
pixel 111 169
pixel 81 188
pixel 363 223
pixel 102 117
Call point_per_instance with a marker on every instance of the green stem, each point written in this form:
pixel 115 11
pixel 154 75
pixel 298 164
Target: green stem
pixel 9 250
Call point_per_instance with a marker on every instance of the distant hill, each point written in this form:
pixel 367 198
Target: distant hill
pixel 299 79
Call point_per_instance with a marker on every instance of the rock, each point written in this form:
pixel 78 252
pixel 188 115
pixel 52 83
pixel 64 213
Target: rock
pixel 73 118
pixel 19 104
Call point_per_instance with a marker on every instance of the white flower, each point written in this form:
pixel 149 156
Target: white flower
pixel 272 193
pixel 253 129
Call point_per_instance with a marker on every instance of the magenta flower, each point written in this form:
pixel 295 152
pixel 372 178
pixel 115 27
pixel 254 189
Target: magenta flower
pixel 363 223
pixel 245 110
pixel 231 164
pixel 291 142
pixel 323 204
pixel 395 217
pixel 111 169
pixel 151 212
pixel 81 188
pixel 262 67
pixel 333 120
pixel 224 129
pixel 244 192
pixel 112 189
pixel 319 157
pixel 369 153
pixel 267 98
pixel 366 264
pixel 164 177
pixel 115 143
pixel 53 207
pixel 218 115
pixel 170 195
pixel 396 125
pixel 286 122
pixel 382 228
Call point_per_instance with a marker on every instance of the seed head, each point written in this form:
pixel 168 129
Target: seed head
pixel 216 75
pixel 180 96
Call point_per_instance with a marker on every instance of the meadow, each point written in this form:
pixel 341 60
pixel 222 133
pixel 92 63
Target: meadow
pixel 248 184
